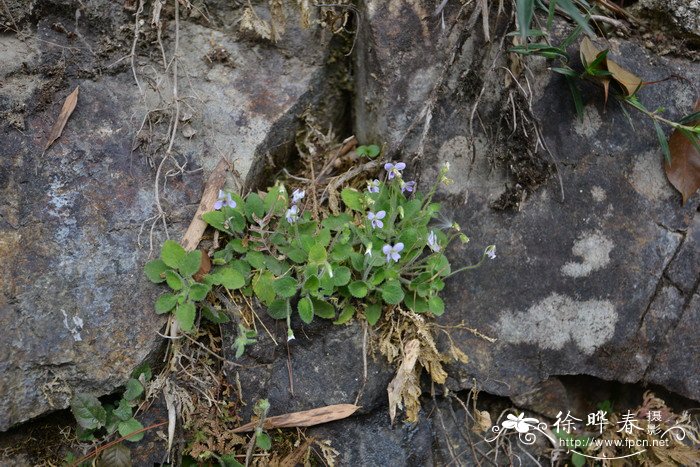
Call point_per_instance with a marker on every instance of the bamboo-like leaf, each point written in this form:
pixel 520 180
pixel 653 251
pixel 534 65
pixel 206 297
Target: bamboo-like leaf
pixel 66 111
pixel 311 417
pixel 525 10
pixel 663 142
pixel 576 95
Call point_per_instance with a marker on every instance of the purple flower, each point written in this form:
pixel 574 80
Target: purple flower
pixel 491 251
pixel 373 186
pixel 376 219
pixel 394 169
pixel 292 214
pixel 433 242
pixel 297 195
pixel 408 186
pixel 392 252
pixel 224 200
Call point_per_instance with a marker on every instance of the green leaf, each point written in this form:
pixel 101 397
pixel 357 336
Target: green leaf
pixel 129 426
pixel 189 265
pixel 312 283
pixel 215 316
pixel 216 219
pixel 336 222
pixel 341 276
pixel 345 315
pixel 436 305
pixel 317 254
pixel 143 369
pixel 576 96
pixel 525 10
pixel 229 277
pixel 155 270
pixel 263 441
pixel 262 286
pixel 358 289
pixel 305 308
pixel 417 304
pixel 185 314
pixel 392 292
pixel 172 253
pixel 123 412
pixel 373 312
pixel 341 251
pixel 663 142
pixel 577 459
pixel 165 303
pixel 133 389
pixel 254 205
pixel 323 309
pixel 565 71
pixel 690 119
pixel 285 287
pixel 372 151
pixel 115 456
pixel 255 259
pixel 173 280
pixel 279 309
pixel 198 292
pixel 352 199
pixel 574 12
pixel 297 255
pixel 241 266
pixel 88 411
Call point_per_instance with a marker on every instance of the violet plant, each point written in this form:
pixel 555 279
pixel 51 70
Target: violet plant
pixel 382 250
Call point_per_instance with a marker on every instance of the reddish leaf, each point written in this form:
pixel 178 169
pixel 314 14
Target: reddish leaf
pixel 684 169
pixel 66 111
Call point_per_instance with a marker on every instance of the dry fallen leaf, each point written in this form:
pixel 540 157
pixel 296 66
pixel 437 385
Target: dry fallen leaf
pixel 627 80
pixel 482 421
pixel 66 111
pixel 684 169
pixel 311 417
pixel 403 386
pixel 204 267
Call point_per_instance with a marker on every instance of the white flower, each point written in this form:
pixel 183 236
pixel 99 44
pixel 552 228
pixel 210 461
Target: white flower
pixel 297 195
pixel 491 251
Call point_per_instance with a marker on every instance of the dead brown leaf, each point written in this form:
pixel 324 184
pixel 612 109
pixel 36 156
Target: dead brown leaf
pixel 404 385
pixel 204 267
pixel 66 111
pixel 311 417
pixel 626 79
pixel 684 169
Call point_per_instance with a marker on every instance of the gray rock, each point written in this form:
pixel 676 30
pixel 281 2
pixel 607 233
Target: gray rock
pixel 325 362
pixel 75 306
pixel 683 15
pixel 371 440
pixel 574 278
pixel 685 269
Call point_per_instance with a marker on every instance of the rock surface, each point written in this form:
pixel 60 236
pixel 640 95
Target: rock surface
pixel 575 280
pixel 684 15
pixel 75 307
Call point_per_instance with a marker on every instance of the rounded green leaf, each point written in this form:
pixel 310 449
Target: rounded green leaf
pixel 345 315
pixel 373 312
pixel 262 286
pixel 392 292
pixel 285 287
pixel 263 441
pixel 198 292
pixel 255 259
pixel 173 280
pixel 172 253
pixel 165 303
pixel 129 426
pixel 155 269
pixel 436 305
pixel 306 310
pixel 323 309
pixel 297 255
pixel 341 275
pixel 352 199
pixel 216 219
pixel 312 284
pixel 254 205
pixel 185 315
pixel 190 263
pixel 317 254
pixel 123 412
pixel 230 278
pixel 358 289
pixel 88 411
pixel 133 389
pixel 279 309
